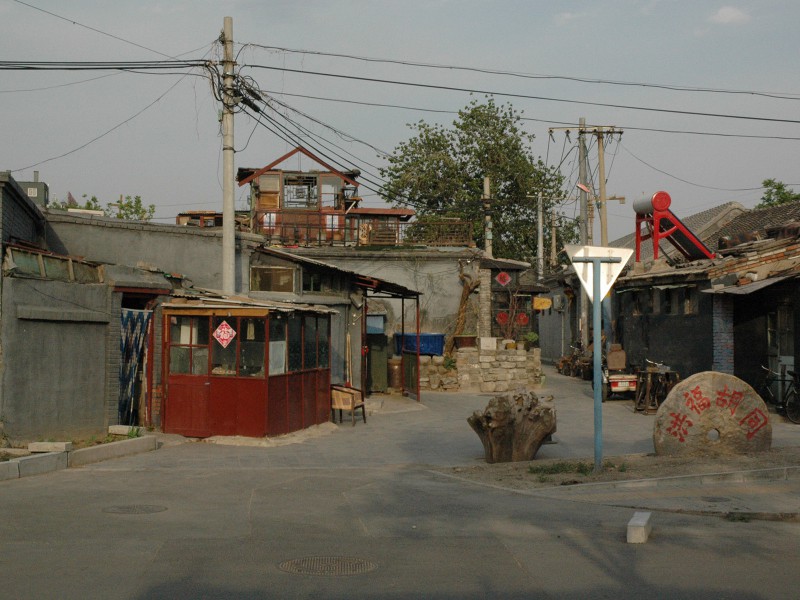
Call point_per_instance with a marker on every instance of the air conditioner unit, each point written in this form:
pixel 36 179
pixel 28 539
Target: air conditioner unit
pixel 559 302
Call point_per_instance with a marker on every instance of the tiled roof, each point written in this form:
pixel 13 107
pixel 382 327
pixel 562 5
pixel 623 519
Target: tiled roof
pixel 759 219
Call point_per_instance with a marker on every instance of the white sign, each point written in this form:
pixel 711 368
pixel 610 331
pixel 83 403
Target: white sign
pixel 609 271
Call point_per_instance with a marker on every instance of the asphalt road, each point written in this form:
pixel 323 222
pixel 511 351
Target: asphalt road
pixel 361 509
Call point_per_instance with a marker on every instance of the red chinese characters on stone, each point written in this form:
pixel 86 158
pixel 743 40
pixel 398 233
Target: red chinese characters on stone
pixel 753 421
pixel 729 399
pixel 679 426
pixel 696 401
pixel 224 334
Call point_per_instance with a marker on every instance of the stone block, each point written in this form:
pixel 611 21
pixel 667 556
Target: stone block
pixel 9 469
pixel 424 359
pixel 121 429
pixel 50 446
pixel 639 527
pixel 37 464
pixel 502 386
pixel 487 387
pixel 486 359
pixel 85 456
pixel 487 343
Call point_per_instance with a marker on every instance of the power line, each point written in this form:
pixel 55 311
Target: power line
pixel 546 121
pixel 708 187
pixel 681 88
pixel 525 96
pixel 102 135
pixel 101 32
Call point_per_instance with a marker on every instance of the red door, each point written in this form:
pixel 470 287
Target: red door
pixel 186 410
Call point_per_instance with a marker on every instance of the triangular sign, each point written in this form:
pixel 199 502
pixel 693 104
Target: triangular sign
pixel 609 271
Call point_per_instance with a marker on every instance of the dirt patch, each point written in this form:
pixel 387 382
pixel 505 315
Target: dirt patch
pixel 552 472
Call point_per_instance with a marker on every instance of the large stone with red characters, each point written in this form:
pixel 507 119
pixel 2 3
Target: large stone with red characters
pixel 709 413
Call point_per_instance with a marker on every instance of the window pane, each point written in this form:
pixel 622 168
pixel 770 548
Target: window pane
pixel 277 345
pixel 310 343
pixel 27 262
pixel 271 279
pixel 323 342
pixel 223 359
pixel 56 268
pixel 178 359
pixel 200 331
pixel 200 361
pixel 295 343
pixel 251 347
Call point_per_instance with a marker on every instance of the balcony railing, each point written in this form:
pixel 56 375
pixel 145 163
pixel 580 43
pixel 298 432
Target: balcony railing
pixel 298 229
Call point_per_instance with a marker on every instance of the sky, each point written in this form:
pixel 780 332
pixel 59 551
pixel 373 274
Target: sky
pixel 615 63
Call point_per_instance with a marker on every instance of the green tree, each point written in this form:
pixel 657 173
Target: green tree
pixel 440 170
pixel 132 209
pixel 776 193
pixel 70 202
pixel 129 208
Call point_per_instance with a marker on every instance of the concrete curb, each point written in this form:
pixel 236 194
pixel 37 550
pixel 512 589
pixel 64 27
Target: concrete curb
pixel 85 456
pixel 9 469
pixel 36 464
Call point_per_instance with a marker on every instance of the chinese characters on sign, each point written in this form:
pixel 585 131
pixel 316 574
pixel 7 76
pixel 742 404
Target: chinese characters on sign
pixel 712 412
pixel 224 334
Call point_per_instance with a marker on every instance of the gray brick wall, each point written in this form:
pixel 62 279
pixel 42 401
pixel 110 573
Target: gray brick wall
pixel 722 327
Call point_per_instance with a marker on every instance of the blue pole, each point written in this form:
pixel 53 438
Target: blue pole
pixel 598 375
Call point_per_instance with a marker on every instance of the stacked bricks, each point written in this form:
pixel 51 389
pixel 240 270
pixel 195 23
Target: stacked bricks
pixel 433 375
pixel 500 370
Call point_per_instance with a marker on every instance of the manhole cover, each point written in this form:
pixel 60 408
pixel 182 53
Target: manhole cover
pixel 715 499
pixel 328 565
pixel 135 509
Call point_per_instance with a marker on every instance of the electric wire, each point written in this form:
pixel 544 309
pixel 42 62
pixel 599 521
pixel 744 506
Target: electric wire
pixel 526 96
pixel 489 71
pixel 546 121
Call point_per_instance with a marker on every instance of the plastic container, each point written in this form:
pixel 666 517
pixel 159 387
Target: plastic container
pixel 429 343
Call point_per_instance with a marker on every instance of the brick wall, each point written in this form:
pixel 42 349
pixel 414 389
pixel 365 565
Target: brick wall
pixel 498 370
pixel 722 328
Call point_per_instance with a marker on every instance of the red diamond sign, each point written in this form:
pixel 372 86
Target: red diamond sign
pixel 503 278
pixel 224 334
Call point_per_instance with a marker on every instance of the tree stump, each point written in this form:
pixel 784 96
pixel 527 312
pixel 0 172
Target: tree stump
pixel 513 426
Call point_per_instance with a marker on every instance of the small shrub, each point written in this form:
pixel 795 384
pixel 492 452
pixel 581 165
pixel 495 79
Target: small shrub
pixel 561 467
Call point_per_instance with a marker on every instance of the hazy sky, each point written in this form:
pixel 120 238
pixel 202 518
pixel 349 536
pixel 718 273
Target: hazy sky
pixel 167 148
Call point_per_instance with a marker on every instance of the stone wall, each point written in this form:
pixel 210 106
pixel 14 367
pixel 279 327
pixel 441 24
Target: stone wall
pixel 483 370
pixel 433 375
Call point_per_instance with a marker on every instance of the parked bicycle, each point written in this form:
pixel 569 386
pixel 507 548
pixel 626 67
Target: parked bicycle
pixel 654 382
pixel 787 404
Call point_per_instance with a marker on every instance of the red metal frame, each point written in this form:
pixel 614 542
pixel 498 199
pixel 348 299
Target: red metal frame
pixel 659 223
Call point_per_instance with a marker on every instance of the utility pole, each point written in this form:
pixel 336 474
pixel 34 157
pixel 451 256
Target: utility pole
pixel 601 167
pixel 228 210
pixel 586 239
pixel 539 240
pixel 487 217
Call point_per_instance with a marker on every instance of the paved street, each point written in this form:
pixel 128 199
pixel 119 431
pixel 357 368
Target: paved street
pixel 200 520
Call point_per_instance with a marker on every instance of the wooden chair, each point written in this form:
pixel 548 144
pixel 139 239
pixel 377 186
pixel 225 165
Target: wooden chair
pixel 345 398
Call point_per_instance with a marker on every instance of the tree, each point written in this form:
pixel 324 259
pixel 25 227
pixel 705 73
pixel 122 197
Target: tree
pixel 128 208
pixel 440 171
pixel 132 209
pixel 776 193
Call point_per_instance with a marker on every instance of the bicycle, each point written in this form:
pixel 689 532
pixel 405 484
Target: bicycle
pixel 789 404
pixel 654 382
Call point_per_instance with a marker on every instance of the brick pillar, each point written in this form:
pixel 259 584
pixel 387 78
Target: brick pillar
pixel 485 301
pixel 722 329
